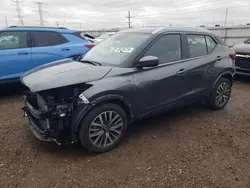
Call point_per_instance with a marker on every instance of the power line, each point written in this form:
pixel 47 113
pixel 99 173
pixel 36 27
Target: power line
pixel 18 11
pixel 107 4
pixel 194 11
pixel 40 11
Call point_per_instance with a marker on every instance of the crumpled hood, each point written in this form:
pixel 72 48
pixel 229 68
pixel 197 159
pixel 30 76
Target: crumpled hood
pixel 62 73
pixel 244 48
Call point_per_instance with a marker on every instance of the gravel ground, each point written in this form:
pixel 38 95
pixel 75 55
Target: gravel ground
pixel 191 147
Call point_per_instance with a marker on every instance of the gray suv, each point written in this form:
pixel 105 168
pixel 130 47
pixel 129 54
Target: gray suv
pixel 134 74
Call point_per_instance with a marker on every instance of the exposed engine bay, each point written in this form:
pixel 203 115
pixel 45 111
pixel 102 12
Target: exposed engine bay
pixel 50 112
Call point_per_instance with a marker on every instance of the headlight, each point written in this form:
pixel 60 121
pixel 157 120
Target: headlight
pixel 82 99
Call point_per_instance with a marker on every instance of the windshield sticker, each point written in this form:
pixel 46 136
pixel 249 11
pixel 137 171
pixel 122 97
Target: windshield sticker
pixel 125 50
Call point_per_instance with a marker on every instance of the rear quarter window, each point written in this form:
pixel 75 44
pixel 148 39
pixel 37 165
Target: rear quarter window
pixel 211 44
pixel 47 38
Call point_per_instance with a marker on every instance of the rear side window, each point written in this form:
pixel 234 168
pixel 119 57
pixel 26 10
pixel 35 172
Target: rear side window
pixel 13 40
pixel 47 39
pixel 197 45
pixel 210 44
pixel 167 48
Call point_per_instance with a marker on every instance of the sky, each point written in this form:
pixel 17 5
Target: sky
pixel 104 14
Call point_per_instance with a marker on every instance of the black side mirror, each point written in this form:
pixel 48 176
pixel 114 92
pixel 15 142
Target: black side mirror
pixel 148 61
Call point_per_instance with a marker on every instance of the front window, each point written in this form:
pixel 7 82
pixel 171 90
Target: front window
pixel 116 49
pixel 13 40
pixel 167 48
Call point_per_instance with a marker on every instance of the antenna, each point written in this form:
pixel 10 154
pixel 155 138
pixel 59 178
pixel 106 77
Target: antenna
pixel 18 11
pixel 40 11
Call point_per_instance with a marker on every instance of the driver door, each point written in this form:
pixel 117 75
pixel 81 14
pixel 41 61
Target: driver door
pixel 166 84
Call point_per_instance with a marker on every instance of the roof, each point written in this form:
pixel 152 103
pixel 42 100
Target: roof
pixel 33 28
pixel 159 30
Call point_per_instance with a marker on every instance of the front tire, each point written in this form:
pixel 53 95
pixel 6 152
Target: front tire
pixel 220 94
pixel 103 128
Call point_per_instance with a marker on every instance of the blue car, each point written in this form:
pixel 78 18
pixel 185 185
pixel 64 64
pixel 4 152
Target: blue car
pixel 24 48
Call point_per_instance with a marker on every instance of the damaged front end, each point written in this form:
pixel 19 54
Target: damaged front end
pixel 54 115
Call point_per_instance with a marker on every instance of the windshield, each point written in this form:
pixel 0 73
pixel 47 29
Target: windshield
pixel 116 49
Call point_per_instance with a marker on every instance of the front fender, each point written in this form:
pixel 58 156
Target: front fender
pixel 82 110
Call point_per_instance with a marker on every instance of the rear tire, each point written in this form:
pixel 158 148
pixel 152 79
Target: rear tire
pixel 220 95
pixel 103 128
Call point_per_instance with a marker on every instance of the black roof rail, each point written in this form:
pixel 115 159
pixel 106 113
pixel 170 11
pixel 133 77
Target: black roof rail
pixel 38 27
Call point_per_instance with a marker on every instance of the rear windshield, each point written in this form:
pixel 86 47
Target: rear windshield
pixel 79 35
pixel 116 49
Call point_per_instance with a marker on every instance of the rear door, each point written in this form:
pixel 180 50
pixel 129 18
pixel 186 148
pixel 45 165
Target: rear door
pixel 203 56
pixel 48 46
pixel 15 54
pixel 166 84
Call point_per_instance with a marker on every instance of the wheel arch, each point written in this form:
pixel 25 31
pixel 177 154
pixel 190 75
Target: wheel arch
pixel 84 110
pixel 227 74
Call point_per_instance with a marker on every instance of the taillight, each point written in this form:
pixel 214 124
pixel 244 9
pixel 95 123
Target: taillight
pixel 89 46
pixel 233 54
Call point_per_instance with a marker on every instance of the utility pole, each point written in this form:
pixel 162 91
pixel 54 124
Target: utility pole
pixel 57 23
pixel 225 24
pixel 6 21
pixel 129 19
pixel 40 11
pixel 18 11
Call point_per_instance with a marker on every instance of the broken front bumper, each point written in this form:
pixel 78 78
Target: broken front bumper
pixel 58 122
pixel 35 122
pixel 50 125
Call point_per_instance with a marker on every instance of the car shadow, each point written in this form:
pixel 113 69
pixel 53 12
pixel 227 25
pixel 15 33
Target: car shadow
pixel 12 89
pixel 241 79
pixel 139 127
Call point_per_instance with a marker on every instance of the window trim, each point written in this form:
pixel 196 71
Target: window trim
pixel 28 39
pixel 33 41
pixel 154 41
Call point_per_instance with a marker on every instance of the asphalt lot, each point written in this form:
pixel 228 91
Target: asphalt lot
pixel 190 147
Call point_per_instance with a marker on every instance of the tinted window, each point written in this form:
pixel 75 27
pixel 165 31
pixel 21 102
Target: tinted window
pixel 116 49
pixel 167 48
pixel 12 40
pixel 197 45
pixel 210 44
pixel 47 39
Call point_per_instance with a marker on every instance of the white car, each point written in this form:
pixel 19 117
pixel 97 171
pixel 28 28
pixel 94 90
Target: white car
pixel 103 37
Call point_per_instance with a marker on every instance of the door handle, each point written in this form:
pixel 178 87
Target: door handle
pixel 65 49
pixel 219 58
pixel 22 53
pixel 182 71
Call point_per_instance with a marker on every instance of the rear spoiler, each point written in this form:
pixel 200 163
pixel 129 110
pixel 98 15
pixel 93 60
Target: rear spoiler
pixel 89 36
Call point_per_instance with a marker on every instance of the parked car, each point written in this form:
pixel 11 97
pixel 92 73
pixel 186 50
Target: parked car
pixel 134 74
pixel 103 37
pixel 23 48
pixel 242 61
